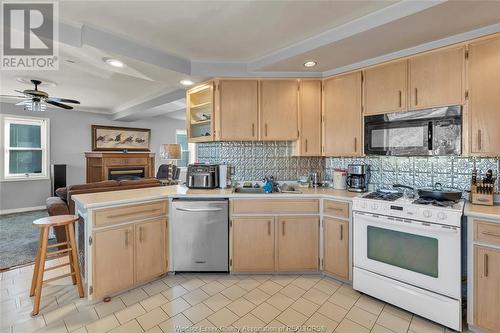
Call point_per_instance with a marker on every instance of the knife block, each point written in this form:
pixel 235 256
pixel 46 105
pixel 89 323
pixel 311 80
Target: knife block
pixel 481 198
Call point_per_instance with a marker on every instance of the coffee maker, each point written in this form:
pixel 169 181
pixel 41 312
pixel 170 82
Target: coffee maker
pixel 357 177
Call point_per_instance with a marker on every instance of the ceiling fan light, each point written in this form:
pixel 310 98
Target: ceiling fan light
pixel 36 106
pixel 114 62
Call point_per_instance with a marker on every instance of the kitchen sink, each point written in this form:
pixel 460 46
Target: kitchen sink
pixel 251 190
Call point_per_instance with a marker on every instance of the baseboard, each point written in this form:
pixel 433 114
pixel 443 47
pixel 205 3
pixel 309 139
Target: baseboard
pixel 21 210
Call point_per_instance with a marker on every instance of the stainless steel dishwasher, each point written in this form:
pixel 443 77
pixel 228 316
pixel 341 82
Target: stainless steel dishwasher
pixel 200 235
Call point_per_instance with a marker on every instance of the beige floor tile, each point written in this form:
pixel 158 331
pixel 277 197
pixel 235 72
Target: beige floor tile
pixel 213 288
pixel 130 327
pixel 152 318
pixel 256 296
pixel 153 302
pixel 79 319
pixel 217 302
pixel 261 277
pixel 283 280
pixel 248 284
pixel 274 327
pixel 175 324
pixel 321 323
pixel 347 326
pixel 362 317
pixel 57 327
pixel 155 329
pixel 392 322
pixel 380 329
pixel 80 330
pixel 280 301
pixel 316 296
pixel 266 312
pixel 196 296
pixel 270 287
pixel 347 289
pixel 234 292
pixel 327 286
pixel 241 307
pixel 30 325
pixel 59 313
pixel 344 300
pixel 249 322
pixel 173 280
pixel 398 312
pixel 421 325
pixel 304 306
pixel 105 308
pixel 176 306
pixel 291 317
pixel 103 325
pixel 370 304
pixel 223 317
pixel 174 292
pixel 306 282
pixel 192 284
pixel 198 312
pixel 228 280
pixel 292 291
pixel 155 287
pixel 133 296
pixel 333 311
pixel 130 313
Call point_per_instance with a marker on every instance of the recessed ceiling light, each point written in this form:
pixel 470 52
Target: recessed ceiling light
pixel 186 82
pixel 310 63
pixel 114 62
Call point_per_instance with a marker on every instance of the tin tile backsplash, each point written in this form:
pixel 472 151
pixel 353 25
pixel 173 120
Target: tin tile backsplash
pixel 254 160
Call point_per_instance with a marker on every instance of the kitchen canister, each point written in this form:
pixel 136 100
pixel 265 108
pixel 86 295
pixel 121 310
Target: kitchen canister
pixel 339 179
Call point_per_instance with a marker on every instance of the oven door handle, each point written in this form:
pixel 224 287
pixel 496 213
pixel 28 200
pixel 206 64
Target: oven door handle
pixel 375 219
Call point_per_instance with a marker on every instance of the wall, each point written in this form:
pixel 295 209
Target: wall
pixel 70 137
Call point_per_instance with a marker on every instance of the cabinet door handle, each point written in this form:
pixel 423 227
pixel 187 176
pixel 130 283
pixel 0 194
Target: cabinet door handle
pixel 341 232
pixel 485 265
pixel 416 96
pixel 126 237
pixel 283 228
pixel 269 228
pixel 265 129
pixel 479 143
pixel 253 130
pixel 355 144
pixel 306 145
pixel 490 233
pixel 141 233
pixel 400 99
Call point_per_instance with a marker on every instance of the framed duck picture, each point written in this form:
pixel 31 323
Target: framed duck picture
pixel 109 138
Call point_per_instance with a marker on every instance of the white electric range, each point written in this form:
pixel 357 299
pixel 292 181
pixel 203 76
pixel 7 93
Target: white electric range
pixel 408 254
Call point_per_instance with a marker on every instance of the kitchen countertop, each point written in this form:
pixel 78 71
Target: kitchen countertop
pixel 486 212
pixel 104 199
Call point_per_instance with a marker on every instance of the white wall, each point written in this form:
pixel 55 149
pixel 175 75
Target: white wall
pixel 70 137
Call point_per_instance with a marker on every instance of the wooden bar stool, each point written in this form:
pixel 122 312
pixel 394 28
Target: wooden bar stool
pixel 68 222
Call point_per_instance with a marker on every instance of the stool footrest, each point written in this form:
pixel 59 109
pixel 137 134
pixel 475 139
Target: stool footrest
pixel 56 267
pixel 51 253
pixel 58 277
pixel 58 244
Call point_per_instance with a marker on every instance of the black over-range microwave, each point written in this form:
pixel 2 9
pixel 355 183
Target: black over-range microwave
pixel 426 132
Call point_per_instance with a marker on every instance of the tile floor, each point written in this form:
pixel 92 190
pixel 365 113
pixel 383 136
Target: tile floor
pixel 204 303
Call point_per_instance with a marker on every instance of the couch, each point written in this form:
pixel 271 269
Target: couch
pixel 62 204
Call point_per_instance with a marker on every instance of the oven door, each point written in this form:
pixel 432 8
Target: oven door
pixel 423 255
pixel 398 138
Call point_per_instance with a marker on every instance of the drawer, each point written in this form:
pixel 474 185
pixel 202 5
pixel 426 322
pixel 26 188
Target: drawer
pixel 307 206
pixel 109 216
pixel 487 232
pixel 336 208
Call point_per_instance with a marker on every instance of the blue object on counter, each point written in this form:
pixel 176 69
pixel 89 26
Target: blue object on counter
pixel 268 185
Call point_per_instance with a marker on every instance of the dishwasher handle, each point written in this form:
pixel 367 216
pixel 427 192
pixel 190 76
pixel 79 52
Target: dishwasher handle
pixel 198 209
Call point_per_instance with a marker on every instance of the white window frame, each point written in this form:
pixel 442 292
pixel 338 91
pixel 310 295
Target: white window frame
pixel 191 149
pixel 6 120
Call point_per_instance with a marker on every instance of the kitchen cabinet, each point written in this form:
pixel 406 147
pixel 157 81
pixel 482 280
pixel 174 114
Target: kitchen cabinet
pixel 484 97
pixel 200 112
pixel 253 244
pixel 437 79
pixel 238 110
pixel 279 110
pixel 336 247
pixel 150 249
pixel 292 232
pixel 309 143
pixel 385 88
pixel 487 288
pixel 113 253
pixel 342 115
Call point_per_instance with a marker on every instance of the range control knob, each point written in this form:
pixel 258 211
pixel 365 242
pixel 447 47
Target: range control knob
pixel 441 216
pixel 364 204
pixel 374 206
pixel 427 213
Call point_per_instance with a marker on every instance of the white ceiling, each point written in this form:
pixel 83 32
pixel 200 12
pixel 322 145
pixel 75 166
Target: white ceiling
pixel 163 42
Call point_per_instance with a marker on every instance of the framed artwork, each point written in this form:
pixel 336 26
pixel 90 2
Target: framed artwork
pixel 109 138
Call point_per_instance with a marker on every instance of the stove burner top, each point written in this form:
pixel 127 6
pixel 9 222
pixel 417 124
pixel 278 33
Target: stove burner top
pixel 424 201
pixel 386 196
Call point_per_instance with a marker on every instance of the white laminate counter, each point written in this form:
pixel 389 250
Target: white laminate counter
pixel 112 198
pixel 485 212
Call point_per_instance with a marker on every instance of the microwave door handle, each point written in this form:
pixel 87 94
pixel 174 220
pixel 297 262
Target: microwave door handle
pixel 430 126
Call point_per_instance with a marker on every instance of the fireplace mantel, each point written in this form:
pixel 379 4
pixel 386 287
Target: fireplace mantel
pixel 99 163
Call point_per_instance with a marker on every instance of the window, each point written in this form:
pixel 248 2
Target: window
pixel 188 150
pixel 26 148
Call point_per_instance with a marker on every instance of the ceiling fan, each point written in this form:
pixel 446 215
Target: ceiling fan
pixel 36 100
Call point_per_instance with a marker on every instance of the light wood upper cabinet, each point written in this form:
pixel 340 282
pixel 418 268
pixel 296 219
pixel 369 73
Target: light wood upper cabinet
pixel 336 247
pixel 279 109
pixel 385 88
pixel 437 79
pixel 200 113
pixel 113 266
pixel 150 249
pixel 487 288
pixel 298 243
pixel 484 96
pixel 342 116
pixel 238 110
pixel 253 244
pixel 309 143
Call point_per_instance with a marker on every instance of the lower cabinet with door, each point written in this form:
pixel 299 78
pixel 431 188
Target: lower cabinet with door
pixel 336 239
